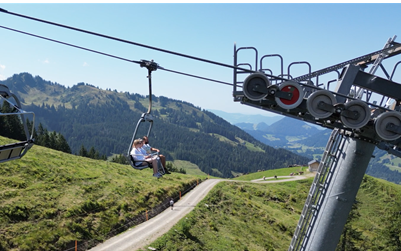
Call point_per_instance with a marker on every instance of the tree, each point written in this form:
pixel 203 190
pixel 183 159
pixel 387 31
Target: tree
pixel 11 125
pixel 61 144
pixel 83 152
pixel 121 159
pixel 92 153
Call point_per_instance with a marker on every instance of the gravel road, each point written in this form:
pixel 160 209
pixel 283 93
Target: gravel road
pixel 143 234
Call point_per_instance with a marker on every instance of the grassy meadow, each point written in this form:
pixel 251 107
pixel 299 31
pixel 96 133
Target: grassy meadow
pixel 262 216
pixel 49 199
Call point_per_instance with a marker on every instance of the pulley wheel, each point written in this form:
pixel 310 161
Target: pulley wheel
pixel 383 120
pixel 313 101
pixel 362 110
pixel 252 82
pixel 297 95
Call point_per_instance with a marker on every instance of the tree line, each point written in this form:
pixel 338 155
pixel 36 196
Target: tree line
pixel 12 127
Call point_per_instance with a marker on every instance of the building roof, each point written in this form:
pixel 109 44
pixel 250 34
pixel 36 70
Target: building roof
pixel 313 161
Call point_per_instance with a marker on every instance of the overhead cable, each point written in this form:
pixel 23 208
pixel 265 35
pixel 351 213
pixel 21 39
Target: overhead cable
pixel 125 41
pixel 75 46
pixel 186 74
pixel 109 55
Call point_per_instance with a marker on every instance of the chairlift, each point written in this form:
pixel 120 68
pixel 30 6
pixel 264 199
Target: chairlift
pixel 145 118
pixel 18 149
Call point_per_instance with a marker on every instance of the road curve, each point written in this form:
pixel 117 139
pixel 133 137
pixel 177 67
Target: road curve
pixel 148 231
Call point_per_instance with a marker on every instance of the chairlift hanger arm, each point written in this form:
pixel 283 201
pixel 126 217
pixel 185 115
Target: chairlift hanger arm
pixel 151 66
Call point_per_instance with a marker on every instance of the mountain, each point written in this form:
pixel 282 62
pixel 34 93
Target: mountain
pixel 290 127
pixel 281 133
pixel 306 140
pixel 88 116
pixel 237 118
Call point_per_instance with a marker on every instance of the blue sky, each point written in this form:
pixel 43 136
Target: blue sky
pixel 322 34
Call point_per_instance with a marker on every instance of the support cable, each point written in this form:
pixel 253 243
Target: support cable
pixel 186 74
pixel 125 41
pixel 75 46
pixel 113 56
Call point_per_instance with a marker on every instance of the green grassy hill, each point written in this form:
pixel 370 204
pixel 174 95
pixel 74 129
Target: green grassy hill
pixel 49 199
pixel 262 216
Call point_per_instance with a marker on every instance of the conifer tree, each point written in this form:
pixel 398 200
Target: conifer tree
pixel 83 152
pixel 61 144
pixel 11 125
pixel 92 153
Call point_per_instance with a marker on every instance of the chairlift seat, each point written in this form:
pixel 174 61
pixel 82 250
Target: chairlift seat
pixel 143 165
pixel 14 150
pixel 160 168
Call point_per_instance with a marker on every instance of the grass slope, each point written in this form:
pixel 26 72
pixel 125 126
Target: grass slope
pixel 49 199
pixel 250 216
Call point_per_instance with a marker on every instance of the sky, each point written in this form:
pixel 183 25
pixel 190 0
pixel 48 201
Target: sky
pixel 321 34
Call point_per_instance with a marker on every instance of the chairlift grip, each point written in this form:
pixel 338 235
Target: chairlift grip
pixel 151 66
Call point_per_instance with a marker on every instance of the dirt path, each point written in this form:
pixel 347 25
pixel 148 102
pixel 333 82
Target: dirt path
pixel 147 232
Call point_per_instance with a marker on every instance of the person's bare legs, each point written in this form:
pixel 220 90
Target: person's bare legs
pixel 163 160
pixel 154 164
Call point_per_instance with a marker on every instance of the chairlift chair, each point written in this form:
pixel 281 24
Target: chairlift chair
pixel 18 149
pixel 145 118
pixel 139 165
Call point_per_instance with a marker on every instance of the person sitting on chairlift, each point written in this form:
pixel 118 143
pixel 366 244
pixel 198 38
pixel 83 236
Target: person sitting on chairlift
pixel 140 158
pixel 149 150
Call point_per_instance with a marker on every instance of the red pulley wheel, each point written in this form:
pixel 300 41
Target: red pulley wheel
pixel 297 95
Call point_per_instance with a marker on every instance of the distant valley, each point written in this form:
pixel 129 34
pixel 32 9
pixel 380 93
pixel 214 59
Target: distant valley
pixel 307 140
pixel 281 132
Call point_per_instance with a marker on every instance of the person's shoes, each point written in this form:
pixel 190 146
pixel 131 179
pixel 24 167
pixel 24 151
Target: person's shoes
pixel 157 175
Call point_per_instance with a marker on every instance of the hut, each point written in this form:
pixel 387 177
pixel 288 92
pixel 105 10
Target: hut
pixel 313 165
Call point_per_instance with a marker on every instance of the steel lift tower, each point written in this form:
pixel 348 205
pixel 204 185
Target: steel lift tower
pixel 362 109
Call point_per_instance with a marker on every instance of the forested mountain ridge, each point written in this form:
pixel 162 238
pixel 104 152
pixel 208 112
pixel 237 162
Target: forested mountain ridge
pixel 105 119
pixel 311 142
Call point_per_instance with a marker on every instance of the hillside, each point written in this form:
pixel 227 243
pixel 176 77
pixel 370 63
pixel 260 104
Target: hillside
pixel 237 118
pixel 298 137
pixel 105 119
pixel 49 199
pixel 248 216
pixel 281 133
